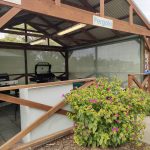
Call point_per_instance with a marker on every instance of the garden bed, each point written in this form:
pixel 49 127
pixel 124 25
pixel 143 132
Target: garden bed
pixel 67 143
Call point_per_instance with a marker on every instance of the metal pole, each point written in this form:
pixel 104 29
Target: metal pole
pixel 67 64
pixel 25 56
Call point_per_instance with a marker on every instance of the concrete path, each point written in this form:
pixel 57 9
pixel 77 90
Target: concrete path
pixel 147 130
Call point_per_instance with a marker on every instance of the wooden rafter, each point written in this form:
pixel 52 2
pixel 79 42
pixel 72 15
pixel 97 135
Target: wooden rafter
pixel 21 29
pixel 131 15
pixel 102 8
pixel 76 14
pixel 8 16
pixel 57 29
pixel 45 33
pixel 19 20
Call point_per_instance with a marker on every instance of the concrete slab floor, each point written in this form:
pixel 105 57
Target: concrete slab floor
pixel 9 125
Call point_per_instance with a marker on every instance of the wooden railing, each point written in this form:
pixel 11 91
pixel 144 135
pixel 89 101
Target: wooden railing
pixel 133 81
pixel 50 111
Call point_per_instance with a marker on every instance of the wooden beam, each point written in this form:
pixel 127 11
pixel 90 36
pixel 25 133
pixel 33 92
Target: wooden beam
pixel 147 42
pixel 76 14
pixel 145 81
pixel 137 82
pixel 139 13
pixel 131 15
pixel 23 33
pixel 45 139
pixel 19 20
pixel 20 29
pixel 46 33
pixel 102 8
pixel 58 2
pixel 115 31
pixel 33 125
pixel 8 16
pixel 46 84
pixel 28 103
pixel 36 123
pixel 130 81
pixel 57 29
pixel 21 46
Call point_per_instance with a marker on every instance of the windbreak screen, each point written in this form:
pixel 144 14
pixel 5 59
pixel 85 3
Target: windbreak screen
pixel 82 63
pixel 119 60
pixel 54 58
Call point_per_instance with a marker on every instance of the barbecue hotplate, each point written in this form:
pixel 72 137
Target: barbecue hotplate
pixel 43 73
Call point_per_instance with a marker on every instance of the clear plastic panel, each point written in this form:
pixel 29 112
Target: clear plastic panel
pixel 54 58
pixel 82 63
pixel 119 60
pixel 11 61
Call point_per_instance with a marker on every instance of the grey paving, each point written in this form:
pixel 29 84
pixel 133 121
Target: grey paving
pixel 147 130
pixel 9 125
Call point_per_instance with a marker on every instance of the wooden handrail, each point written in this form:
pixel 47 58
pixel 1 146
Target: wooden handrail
pixel 42 119
pixel 46 84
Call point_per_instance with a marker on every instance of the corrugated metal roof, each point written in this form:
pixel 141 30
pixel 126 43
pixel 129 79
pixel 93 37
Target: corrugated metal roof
pixel 117 8
pixel 102 33
pixel 93 2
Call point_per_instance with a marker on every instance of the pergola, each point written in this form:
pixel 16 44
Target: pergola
pixel 114 19
pixel 49 17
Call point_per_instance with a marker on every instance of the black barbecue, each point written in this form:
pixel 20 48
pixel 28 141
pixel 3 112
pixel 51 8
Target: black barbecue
pixel 43 73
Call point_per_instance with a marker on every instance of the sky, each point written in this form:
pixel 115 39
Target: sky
pixel 143 5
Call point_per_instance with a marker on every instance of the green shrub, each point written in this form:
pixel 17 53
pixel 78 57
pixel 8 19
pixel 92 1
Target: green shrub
pixel 106 115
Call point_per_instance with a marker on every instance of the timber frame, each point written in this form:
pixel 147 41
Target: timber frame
pixel 51 8
pixel 132 81
pixel 50 111
pixel 73 14
pixel 62 12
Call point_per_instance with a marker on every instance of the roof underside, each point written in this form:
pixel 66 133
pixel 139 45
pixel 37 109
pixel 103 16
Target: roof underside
pixel 50 26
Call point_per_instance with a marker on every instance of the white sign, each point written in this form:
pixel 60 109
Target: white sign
pixel 14 1
pixel 102 22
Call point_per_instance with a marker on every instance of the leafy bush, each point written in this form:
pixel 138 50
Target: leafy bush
pixel 106 115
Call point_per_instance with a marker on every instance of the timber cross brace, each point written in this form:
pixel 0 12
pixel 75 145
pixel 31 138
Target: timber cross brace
pixel 50 112
pixel 145 85
pixel 55 8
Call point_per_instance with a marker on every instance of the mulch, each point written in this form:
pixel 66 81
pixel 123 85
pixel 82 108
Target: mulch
pixel 67 143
